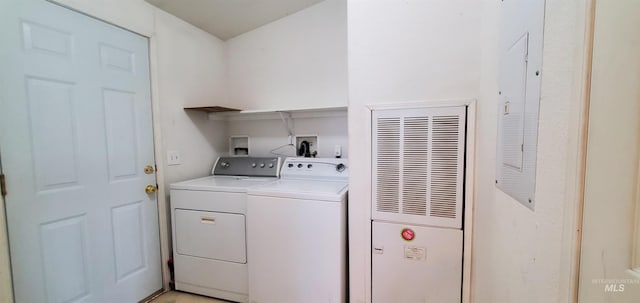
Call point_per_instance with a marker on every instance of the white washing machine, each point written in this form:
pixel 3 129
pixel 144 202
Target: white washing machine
pixel 208 218
pixel 297 234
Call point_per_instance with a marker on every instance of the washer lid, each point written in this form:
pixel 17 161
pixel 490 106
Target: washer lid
pixel 303 189
pixel 238 184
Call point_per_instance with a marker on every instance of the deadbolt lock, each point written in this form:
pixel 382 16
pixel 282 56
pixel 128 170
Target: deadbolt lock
pixel 150 189
pixel 148 169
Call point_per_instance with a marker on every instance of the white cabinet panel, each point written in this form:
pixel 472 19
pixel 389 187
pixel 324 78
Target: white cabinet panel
pixel 425 269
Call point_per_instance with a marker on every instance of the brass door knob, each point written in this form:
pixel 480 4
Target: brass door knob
pixel 148 169
pixel 150 189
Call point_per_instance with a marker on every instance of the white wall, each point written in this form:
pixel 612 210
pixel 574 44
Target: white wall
pixel 521 255
pixel 401 51
pixel 299 61
pixel 190 69
pixel 265 135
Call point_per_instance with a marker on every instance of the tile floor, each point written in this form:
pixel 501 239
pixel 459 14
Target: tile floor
pixel 183 297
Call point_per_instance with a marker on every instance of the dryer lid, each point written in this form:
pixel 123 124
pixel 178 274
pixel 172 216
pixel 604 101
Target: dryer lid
pixel 237 184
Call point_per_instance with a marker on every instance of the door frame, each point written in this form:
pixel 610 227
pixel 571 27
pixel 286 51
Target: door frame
pixel 6 285
pixel 6 279
pixel 578 139
pixel 163 207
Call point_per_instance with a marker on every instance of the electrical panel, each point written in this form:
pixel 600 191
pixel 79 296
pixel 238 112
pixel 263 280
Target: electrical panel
pixel 519 98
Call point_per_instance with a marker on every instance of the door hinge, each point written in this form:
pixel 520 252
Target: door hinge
pixel 3 185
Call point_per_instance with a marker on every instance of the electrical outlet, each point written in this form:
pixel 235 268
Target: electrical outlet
pixel 174 157
pixel 337 151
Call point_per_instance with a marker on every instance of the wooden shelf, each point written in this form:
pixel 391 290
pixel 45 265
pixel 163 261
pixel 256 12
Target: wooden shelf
pixel 213 109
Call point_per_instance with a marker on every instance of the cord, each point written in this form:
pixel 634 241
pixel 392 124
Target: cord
pixel 287 126
pixel 289 129
pixel 273 151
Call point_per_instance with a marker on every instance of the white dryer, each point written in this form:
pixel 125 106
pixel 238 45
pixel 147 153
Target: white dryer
pixel 208 223
pixel 297 234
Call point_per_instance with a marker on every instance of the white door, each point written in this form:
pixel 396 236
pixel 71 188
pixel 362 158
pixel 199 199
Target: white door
pixel 610 258
pixel 75 136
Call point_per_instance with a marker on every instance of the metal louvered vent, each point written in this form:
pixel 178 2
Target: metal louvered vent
pixel 388 159
pixel 414 166
pixel 444 166
pixel 418 165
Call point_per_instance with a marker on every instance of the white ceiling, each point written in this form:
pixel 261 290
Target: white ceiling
pixel 228 18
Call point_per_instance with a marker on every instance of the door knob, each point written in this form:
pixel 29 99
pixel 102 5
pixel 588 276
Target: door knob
pixel 150 189
pixel 148 169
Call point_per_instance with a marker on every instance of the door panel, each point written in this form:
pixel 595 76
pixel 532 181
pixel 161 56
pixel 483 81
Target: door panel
pixel 116 59
pixel 120 118
pixel 45 39
pixel 52 113
pixel 75 135
pixel 128 239
pixel 64 250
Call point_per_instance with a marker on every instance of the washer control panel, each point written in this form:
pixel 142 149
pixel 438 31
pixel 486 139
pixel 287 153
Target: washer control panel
pixel 315 168
pixel 247 166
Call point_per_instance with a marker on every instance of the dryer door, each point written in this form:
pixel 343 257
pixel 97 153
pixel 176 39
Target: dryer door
pixel 211 235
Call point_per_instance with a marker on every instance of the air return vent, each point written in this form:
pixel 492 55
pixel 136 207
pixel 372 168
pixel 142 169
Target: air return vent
pixel 415 165
pixel 418 159
pixel 388 180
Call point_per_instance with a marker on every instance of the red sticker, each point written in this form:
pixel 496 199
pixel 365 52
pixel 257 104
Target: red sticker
pixel 408 234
